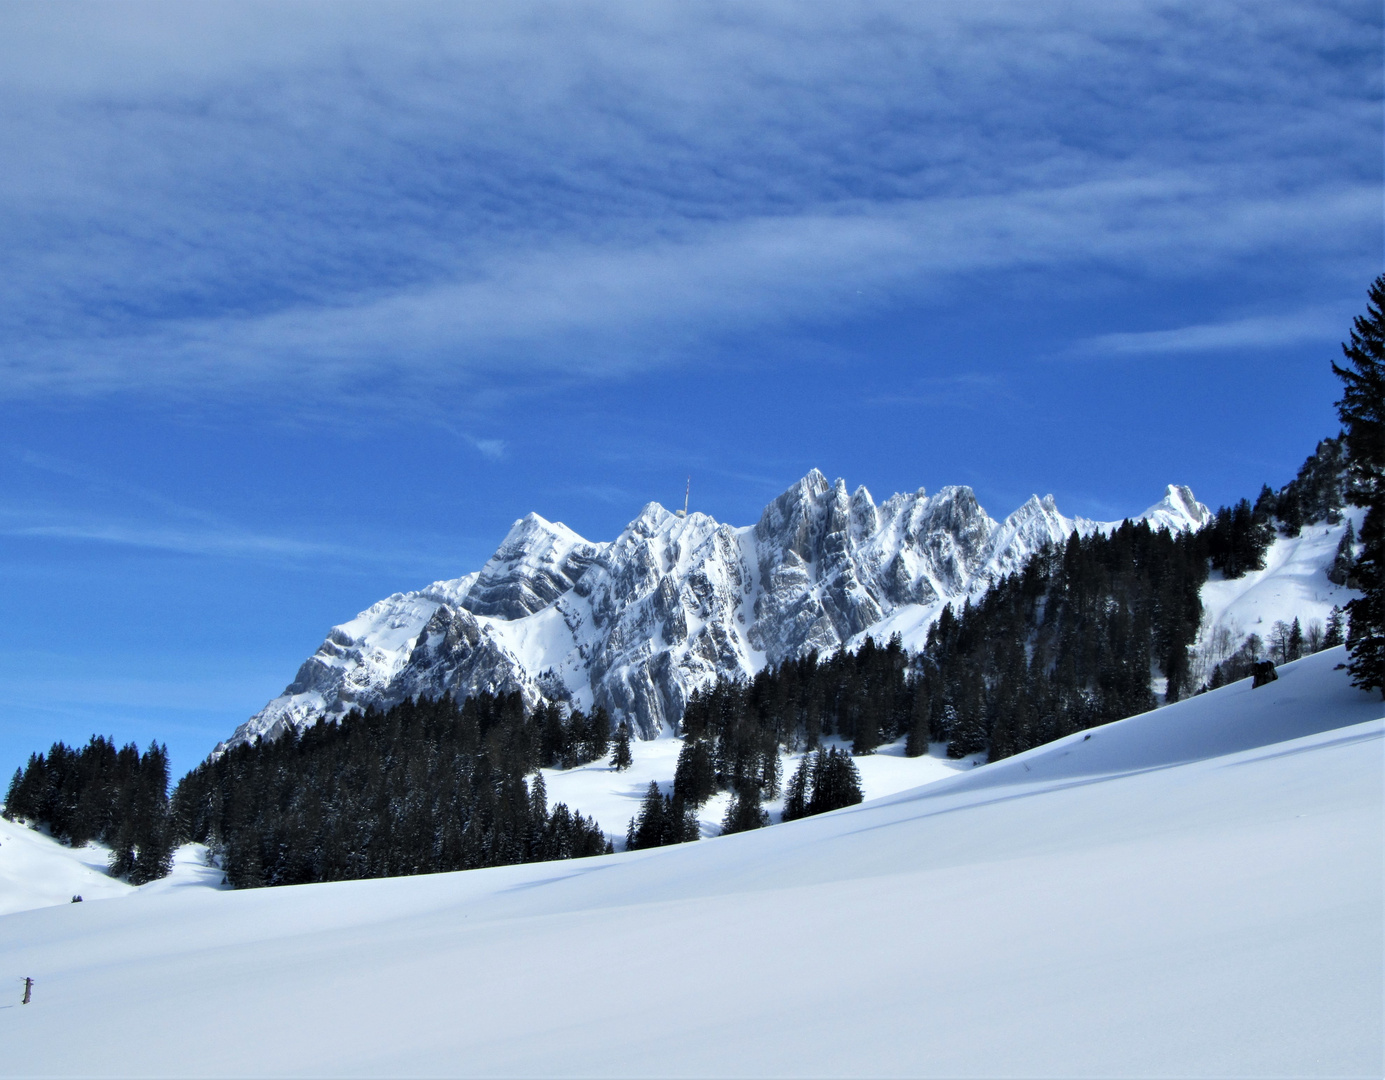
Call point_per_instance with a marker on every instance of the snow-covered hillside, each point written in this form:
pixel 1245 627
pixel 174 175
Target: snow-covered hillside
pixel 674 602
pixel 1293 585
pixel 1195 891
pixel 37 871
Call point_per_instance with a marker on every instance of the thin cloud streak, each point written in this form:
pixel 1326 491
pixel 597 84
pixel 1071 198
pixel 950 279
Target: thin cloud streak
pixel 221 544
pixel 1259 332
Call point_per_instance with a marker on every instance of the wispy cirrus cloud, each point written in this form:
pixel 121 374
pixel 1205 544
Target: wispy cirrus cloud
pixel 587 310
pixel 154 522
pixel 1254 332
pixel 216 542
pixel 249 200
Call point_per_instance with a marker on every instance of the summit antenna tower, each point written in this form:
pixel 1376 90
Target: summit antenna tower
pixel 686 492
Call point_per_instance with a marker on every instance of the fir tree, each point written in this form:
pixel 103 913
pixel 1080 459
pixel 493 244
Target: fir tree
pixel 1340 572
pixel 796 791
pixel 1335 634
pixel 836 782
pixel 694 779
pixel 621 758
pixel 599 734
pixel 10 793
pixel 651 828
pixel 1295 642
pixel 1362 411
pixel 919 722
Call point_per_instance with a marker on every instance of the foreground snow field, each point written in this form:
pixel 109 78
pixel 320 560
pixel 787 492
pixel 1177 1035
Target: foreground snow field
pixel 1196 891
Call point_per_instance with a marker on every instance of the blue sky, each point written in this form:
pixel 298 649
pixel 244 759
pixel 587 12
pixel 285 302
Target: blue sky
pixel 304 304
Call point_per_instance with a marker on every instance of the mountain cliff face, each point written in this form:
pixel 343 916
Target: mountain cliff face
pixel 674 602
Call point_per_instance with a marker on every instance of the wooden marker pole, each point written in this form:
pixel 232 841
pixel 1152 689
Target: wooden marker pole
pixel 28 989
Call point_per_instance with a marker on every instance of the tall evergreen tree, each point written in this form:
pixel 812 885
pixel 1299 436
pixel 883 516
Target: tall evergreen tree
pixel 694 778
pixel 1341 572
pixel 599 734
pixel 796 791
pixel 1335 633
pixel 1362 411
pixel 621 758
pixel 652 827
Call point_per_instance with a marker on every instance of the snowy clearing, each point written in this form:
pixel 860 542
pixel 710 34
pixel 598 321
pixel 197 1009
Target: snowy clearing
pixel 613 798
pixel 1196 891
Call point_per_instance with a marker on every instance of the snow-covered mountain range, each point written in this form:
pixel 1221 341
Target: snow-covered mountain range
pixel 637 624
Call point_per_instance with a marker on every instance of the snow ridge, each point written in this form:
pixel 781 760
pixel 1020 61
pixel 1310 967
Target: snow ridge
pixel 673 603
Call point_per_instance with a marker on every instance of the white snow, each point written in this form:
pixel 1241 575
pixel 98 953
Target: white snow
pixel 38 871
pixel 1195 891
pixel 1292 585
pixel 613 798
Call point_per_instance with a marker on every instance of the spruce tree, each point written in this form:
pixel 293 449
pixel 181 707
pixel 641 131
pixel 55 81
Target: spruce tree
pixel 599 733
pixel 10 793
pixel 1362 411
pixel 1340 572
pixel 694 779
pixel 1335 634
pixel 796 791
pixel 919 712
pixel 650 828
pixel 621 758
pixel 836 782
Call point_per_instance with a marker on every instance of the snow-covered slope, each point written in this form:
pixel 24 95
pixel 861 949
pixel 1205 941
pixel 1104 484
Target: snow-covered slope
pixel 37 871
pixel 1196 891
pixel 674 602
pixel 1293 585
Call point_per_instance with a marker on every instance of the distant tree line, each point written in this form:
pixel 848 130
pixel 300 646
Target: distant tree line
pixel 421 787
pixel 119 797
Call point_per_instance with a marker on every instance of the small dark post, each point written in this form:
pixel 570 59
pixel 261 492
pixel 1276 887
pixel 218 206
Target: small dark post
pixel 28 989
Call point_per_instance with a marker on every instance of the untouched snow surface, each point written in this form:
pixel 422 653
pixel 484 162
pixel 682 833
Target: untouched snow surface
pixel 37 871
pixel 1196 891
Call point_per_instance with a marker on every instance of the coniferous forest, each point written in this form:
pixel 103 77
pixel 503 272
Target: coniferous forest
pixel 119 797
pixel 422 787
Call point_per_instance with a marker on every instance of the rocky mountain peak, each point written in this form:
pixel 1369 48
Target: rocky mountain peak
pixel 537 562
pixel 1178 509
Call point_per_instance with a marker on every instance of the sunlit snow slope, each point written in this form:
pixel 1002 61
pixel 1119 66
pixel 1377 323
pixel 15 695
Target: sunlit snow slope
pixel 1196 891
pixel 37 871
